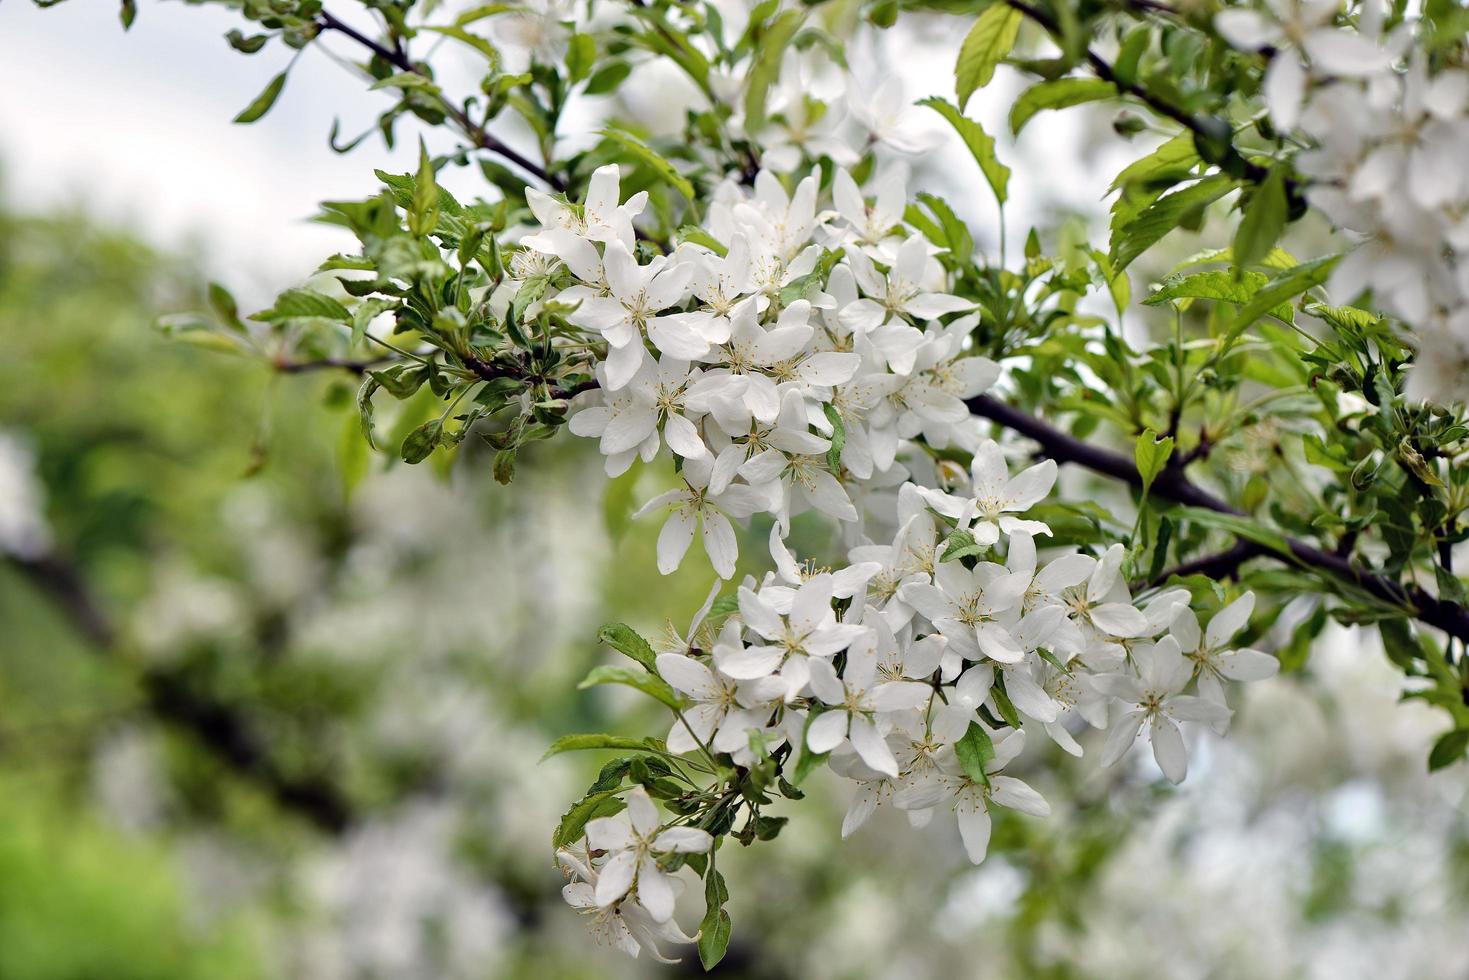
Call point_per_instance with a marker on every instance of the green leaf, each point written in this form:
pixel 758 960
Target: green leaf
pixel 225 308
pixel 584 743
pixel 1280 289
pixel 364 313
pixel 961 544
pixel 1162 216
pixel 653 159
pixel 765 67
pixel 1152 454
pixel 405 80
pixel 484 10
pixel 296 304
pixel 838 437
pixel 581 52
pixel 364 408
pixel 650 684
pixel 975 751
pixel 402 380
pixel 419 444
pixel 246 45
pixel 714 933
pixel 981 145
pixel 956 237
pixel 1060 93
pixel 1218 285
pixel 128 13
pixel 1448 749
pixel 607 78
pixel 1177 155
pixel 484 47
pixel 1003 702
pixel 574 822
pixel 423 214
pixel 1263 221
pixel 627 641
pixel 1399 643
pixel 984 47
pixel 264 100
pixel 698 236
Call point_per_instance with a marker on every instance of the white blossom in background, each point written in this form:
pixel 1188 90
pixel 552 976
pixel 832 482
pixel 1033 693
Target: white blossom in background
pixel 23 528
pixel 1385 139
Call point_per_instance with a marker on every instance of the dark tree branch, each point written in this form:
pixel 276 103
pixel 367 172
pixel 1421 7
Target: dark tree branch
pixel 1173 484
pixel 329 364
pixel 59 579
pixel 1225 564
pixel 481 137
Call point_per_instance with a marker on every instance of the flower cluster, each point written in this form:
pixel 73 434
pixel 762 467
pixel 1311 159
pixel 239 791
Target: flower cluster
pixel 797 359
pixel 1386 138
pixel 787 362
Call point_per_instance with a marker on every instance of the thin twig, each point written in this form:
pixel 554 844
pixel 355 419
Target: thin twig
pixel 478 134
pixel 1223 565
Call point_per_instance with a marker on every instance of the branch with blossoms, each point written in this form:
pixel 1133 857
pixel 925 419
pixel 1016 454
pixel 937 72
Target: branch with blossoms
pixel 763 297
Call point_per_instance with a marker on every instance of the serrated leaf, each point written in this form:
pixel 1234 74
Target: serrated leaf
pixel 981 145
pixel 1280 289
pixel 725 605
pixel 294 304
pixel 650 684
pixel 1218 285
pixel 1162 216
pixel 961 544
pixel 1060 93
pixel 628 642
pixel 984 47
pixel 574 821
pixel 589 742
pixel 1175 155
pixel 653 159
pixel 264 100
